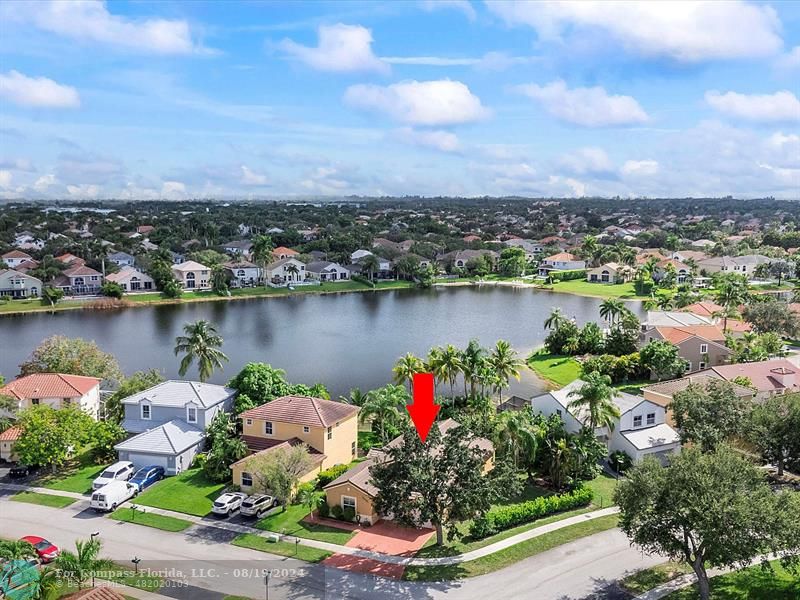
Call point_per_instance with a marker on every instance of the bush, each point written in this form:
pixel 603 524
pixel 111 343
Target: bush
pixel 619 368
pixel 567 275
pixel 199 461
pixel 328 475
pixel 323 510
pixel 349 514
pixel 308 485
pixel 620 461
pixel 504 517
pixel 337 512
pixel 362 279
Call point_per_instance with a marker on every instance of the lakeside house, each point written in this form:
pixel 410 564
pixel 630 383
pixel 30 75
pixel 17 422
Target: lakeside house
pixel 56 390
pixel 282 252
pixel 19 285
pixel 243 248
pixel 15 258
pixel 122 259
pixel 683 272
pixel 701 346
pixel 741 265
pixel 131 279
pixel 243 273
pixel 192 275
pixel 285 271
pixel 610 273
pixel 79 280
pixel 324 270
pixel 563 261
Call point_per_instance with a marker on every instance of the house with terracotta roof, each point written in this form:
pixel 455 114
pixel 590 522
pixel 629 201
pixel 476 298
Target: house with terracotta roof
pixel 563 261
pixel 328 429
pixel 702 346
pixel 662 393
pixel 7 440
pixel 56 390
pixel 282 252
pixel 769 377
pixel 15 258
pixel 610 273
pixel 705 308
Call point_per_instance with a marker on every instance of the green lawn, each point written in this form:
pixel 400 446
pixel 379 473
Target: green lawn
pixel 76 476
pixel 256 542
pixel 599 290
pixel 290 522
pixel 191 492
pixel 128 515
pixel 44 499
pixel 515 553
pixel 648 579
pixel 753 583
pixel 603 487
pixel 558 370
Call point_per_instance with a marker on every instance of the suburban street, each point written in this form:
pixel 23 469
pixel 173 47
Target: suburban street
pixel 202 558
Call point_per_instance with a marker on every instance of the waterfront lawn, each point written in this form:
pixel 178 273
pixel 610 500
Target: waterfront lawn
pixel 290 522
pixel 191 492
pixel 582 287
pixel 298 551
pixel 753 583
pixel 128 515
pixel 76 476
pixel 558 370
pixel 512 554
pixel 43 499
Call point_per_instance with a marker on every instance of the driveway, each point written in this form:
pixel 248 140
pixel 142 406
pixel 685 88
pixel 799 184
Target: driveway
pixel 383 537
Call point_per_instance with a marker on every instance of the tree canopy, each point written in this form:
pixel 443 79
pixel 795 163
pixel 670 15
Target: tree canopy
pixel 74 356
pixel 709 414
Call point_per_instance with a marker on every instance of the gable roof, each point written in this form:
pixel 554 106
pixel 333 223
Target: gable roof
pixel 190 265
pixel 259 446
pixel 81 271
pixel 705 308
pixel 678 335
pixel 173 437
pixel 561 257
pixel 16 254
pixel 284 250
pixel 49 385
pixel 765 375
pixel 125 272
pixel 283 261
pixel 670 318
pixel 179 393
pixel 623 401
pixel 673 386
pixel 302 410
pixel 359 476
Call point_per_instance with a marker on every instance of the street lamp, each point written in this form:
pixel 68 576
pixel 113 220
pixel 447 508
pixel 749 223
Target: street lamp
pixel 267 573
pixel 93 535
pixel 136 560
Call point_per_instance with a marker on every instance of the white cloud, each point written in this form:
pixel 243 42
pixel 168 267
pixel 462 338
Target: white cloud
pixel 5 179
pixel 777 107
pixel 17 164
pixel 173 190
pixel 252 178
pixel 684 31
pixel 465 6
pixel 342 48
pixel 430 103
pixel 44 182
pixel 587 160
pixel 444 141
pixel 326 180
pixel 84 190
pixel 789 61
pixel 491 61
pixel 37 92
pixel 588 107
pixel 90 21
pixel 637 168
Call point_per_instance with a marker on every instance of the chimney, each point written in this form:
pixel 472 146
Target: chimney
pixel 784 376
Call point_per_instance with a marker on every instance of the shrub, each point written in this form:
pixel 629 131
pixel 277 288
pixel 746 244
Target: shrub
pixel 349 514
pixel 504 517
pixel 199 460
pixel 337 512
pixel 323 509
pixel 308 485
pixel 619 368
pixel 567 275
pixel 620 461
pixel 328 475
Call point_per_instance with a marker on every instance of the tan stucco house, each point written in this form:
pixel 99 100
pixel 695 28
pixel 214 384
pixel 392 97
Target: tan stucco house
pixel 702 346
pixel 610 273
pixel 328 429
pixel 191 275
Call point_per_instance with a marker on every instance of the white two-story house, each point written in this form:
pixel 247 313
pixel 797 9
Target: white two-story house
pixel 192 275
pixel 563 261
pixel 56 390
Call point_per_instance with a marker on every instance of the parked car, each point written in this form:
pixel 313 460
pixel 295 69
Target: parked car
pixel 21 470
pixel 111 495
pixel 119 471
pixel 46 551
pixel 257 504
pixel 227 503
pixel 147 476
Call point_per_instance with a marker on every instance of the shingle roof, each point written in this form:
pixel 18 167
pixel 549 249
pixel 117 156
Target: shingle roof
pixel 677 335
pixel 260 446
pixel 178 393
pixel 358 476
pixel 763 375
pixel 673 386
pixel 706 308
pixel 302 410
pixel 81 271
pixel 49 385
pixel 173 437
pixel 16 254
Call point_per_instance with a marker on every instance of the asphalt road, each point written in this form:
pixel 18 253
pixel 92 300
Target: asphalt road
pixel 202 559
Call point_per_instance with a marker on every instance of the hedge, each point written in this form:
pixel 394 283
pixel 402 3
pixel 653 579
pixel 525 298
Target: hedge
pixel 567 275
pixel 505 517
pixel 328 475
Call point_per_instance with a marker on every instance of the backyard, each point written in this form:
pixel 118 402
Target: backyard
pixel 558 370
pixel 191 492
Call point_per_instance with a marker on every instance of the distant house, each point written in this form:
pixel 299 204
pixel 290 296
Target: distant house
pixel 285 271
pixel 79 280
pixel 8 438
pixel 55 390
pixel 327 271
pixel 769 377
pixel 19 285
pixel 663 392
pixel 701 346
pixel 282 252
pixel 684 255
pixel 460 259
pixel 741 265
pixel 705 308
pixel 472 238
pixel 243 273
pixel 682 272
pixel 610 273
pixel 192 275
pixel 15 258
pixel 144 229
pixel 132 280
pixel 26 240
pixel 70 260
pixel 122 259
pixel 640 431
pixel 239 247
pixel 170 419
pixel 563 261
pixel 358 255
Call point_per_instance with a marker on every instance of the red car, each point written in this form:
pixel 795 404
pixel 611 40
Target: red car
pixel 47 551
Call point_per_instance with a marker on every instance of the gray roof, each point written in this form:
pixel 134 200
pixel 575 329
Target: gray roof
pixel 652 437
pixel 179 393
pixel 622 400
pixel 319 266
pixel 173 437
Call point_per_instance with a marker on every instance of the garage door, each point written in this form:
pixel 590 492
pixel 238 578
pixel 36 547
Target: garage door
pixel 145 460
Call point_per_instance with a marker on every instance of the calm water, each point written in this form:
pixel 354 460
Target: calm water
pixel 343 340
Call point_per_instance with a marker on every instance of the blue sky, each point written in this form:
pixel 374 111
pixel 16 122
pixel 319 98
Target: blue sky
pixel 272 99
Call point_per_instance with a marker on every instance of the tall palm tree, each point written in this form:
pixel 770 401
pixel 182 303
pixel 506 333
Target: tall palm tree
pixel 731 292
pixel 292 269
pixel 79 566
pixel 472 360
pixel 16 550
pixel 200 343
pixel 611 309
pixel 370 264
pixel 516 435
pixel 595 399
pixel 555 320
pixel 505 363
pixel 385 407
pixel 356 397
pixel 405 368
pixel 450 366
pixel 262 253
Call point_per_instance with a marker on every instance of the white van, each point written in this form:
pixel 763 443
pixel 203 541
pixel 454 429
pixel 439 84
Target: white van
pixel 111 495
pixel 119 471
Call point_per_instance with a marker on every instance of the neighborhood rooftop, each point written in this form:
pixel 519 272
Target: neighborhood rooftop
pixel 178 393
pixel 302 410
pixel 49 385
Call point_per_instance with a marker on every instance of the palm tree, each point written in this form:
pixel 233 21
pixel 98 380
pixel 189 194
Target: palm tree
pixel 356 397
pixel 385 407
pixel 555 320
pixel 472 360
pixel 515 434
pixel 262 253
pixel 370 264
pixel 595 399
pixel 292 269
pixel 731 292
pixel 200 343
pixel 611 309
pixel 79 566
pixel 505 363
pixel 405 368
pixel 558 459
pixel 16 550
pixel 450 366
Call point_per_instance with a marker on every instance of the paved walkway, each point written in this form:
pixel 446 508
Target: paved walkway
pixel 210 521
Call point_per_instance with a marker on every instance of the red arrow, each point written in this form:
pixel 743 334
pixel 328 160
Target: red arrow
pixel 423 411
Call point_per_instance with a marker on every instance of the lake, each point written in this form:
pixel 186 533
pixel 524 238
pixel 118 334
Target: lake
pixel 342 340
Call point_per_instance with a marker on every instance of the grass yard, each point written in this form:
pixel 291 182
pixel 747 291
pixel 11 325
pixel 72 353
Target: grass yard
pixel 648 579
pixel 191 492
pixel 582 287
pixel 290 522
pixel 558 370
pixel 75 476
pixel 256 542
pixel 603 487
pixel 753 583
pixel 504 558
pixel 147 519
pixel 43 499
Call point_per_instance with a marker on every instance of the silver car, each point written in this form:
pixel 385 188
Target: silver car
pixel 257 504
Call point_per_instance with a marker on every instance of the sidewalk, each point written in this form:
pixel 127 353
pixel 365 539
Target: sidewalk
pixel 338 549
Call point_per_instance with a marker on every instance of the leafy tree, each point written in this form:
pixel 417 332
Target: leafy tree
pixel 219 280
pixel 141 380
pixel 74 356
pixel 48 434
pixel 52 295
pixel 405 368
pixel 595 401
pixel 590 339
pixel 406 266
pixel 661 357
pixel 480 266
pixel 279 471
pixel 517 436
pixel 201 343
pixel 426 276
pixel 80 566
pixel 709 414
pixel 441 481
pixel 258 383
pixel 112 289
pixel 512 262
pixel 774 428
pixel 780 269
pixel 225 447
pixel 775 317
pixel 707 510
pixel 103 436
pixel 171 289
pixel 562 337
pixel 385 408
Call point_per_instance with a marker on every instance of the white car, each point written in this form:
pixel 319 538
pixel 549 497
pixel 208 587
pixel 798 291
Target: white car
pixel 227 503
pixel 111 495
pixel 119 471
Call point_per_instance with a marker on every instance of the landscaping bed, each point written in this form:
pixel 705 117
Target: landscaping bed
pixel 290 522
pixel 43 499
pixel 257 542
pixel 191 492
pixel 128 515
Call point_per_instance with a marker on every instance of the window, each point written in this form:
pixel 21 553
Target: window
pixel 348 502
pixel 702 365
pixel 35 401
pixel 66 401
pixel 191 414
pixel 247 480
pixel 330 433
pixel 703 348
pixel 268 427
pixel 249 421
pixel 558 412
pixel 146 412
pixel 688 366
pixel 637 421
pixel 306 429
pixel 651 418
pixel 353 448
